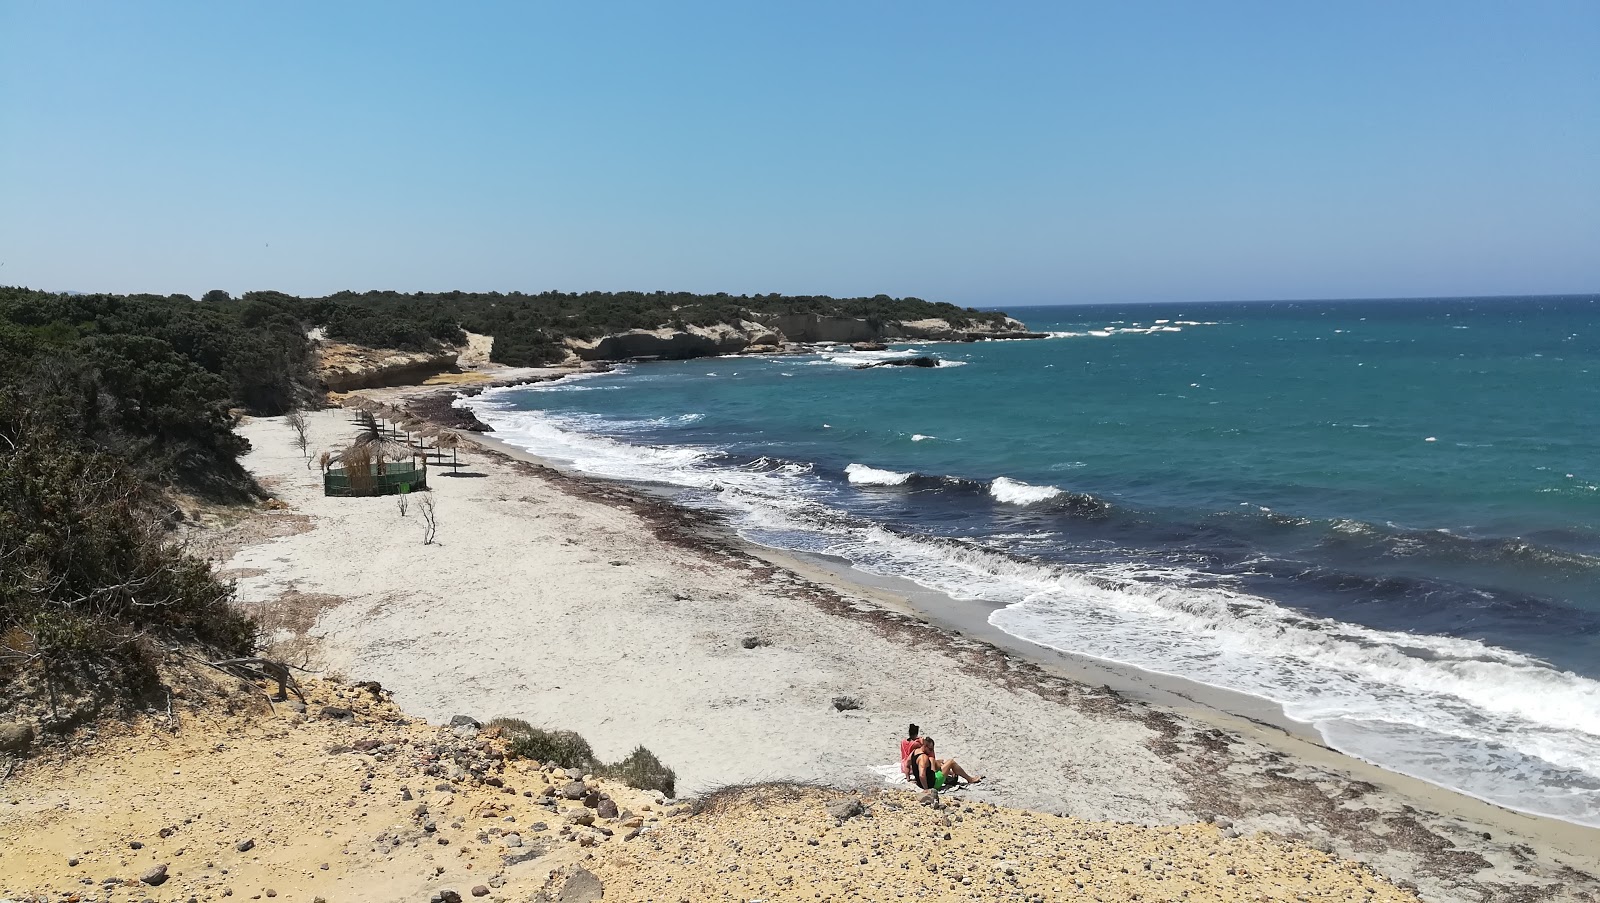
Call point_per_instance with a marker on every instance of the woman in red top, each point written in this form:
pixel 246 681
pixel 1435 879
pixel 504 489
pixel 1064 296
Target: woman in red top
pixel 907 747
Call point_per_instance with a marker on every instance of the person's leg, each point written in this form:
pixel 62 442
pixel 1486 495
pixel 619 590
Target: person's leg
pixel 954 770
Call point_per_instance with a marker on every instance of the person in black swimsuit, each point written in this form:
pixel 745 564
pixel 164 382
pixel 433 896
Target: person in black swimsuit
pixel 932 773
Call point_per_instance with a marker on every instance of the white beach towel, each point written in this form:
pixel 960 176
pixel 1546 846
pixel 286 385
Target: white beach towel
pixel 891 774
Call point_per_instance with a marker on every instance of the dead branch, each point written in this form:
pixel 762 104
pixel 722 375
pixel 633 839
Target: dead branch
pixel 261 669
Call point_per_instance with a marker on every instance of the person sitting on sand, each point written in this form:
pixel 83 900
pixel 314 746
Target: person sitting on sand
pixel 931 773
pixel 908 746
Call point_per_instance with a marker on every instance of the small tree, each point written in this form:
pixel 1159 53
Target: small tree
pixel 297 422
pixel 430 519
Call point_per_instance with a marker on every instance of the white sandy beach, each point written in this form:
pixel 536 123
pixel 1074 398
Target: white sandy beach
pixel 571 610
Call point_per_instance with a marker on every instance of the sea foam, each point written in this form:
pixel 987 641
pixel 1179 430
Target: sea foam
pixel 862 475
pixel 1016 492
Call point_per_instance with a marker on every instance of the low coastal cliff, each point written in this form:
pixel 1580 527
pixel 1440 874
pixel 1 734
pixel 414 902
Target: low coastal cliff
pixel 770 334
pixel 342 367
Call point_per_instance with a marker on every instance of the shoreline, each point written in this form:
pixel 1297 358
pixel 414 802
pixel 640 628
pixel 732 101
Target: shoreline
pixel 641 606
pixel 1261 718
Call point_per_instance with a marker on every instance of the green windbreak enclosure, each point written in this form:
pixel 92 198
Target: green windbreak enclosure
pixel 395 479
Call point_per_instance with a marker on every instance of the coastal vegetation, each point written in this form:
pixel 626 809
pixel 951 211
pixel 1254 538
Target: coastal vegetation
pixel 641 769
pixel 113 408
pixel 529 329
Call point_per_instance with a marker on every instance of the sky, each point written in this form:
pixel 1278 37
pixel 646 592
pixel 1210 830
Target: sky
pixel 988 154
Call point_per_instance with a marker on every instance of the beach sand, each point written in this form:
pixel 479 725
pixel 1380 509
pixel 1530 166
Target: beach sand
pixel 348 799
pixel 597 608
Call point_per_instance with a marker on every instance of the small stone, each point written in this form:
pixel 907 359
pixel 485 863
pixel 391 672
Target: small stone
pixel 271 892
pixel 607 808
pixel 845 809
pixel 245 846
pixel 337 713
pixel 135 845
pixel 574 790
pixel 72 863
pixel 447 895
pixel 513 840
pixel 480 891
pixel 155 877
pixel 580 817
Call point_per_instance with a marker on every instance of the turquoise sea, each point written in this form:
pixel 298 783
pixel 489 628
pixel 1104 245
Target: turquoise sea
pixel 1382 515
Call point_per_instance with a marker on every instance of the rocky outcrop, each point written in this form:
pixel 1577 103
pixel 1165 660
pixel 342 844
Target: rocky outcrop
pixel 773 333
pixel 923 361
pixel 817 328
pixel 342 367
pixel 670 343
pixel 938 330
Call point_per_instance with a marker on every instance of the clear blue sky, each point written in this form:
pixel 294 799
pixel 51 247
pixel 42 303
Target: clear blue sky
pixel 983 153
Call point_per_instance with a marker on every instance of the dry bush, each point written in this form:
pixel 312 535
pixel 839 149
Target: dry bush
pixel 357 461
pixel 641 770
pixel 430 519
pixel 564 748
pixel 761 794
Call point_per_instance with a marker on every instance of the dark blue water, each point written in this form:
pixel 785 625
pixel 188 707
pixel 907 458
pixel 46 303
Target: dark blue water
pixel 1383 515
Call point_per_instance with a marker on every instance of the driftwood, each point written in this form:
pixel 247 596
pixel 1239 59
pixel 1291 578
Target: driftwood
pixel 253 668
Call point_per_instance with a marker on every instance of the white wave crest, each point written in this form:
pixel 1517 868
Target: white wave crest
pixel 862 475
pixel 918 437
pixel 1016 492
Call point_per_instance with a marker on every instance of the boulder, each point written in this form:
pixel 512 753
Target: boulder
pixel 575 884
pixel 844 809
pixel 574 790
pixel 155 877
pixel 926 360
pixel 607 808
pixel 16 736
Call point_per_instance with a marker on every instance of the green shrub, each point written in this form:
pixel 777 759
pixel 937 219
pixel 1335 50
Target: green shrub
pixel 564 748
pixel 641 770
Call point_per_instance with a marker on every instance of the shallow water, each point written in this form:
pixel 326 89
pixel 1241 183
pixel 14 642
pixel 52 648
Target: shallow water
pixel 1384 516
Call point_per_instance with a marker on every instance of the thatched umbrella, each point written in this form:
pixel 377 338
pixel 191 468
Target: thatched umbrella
pixel 448 439
pixel 358 406
pixel 377 444
pixel 412 425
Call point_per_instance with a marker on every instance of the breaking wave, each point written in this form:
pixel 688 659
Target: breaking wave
pixel 1016 492
pixel 862 475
